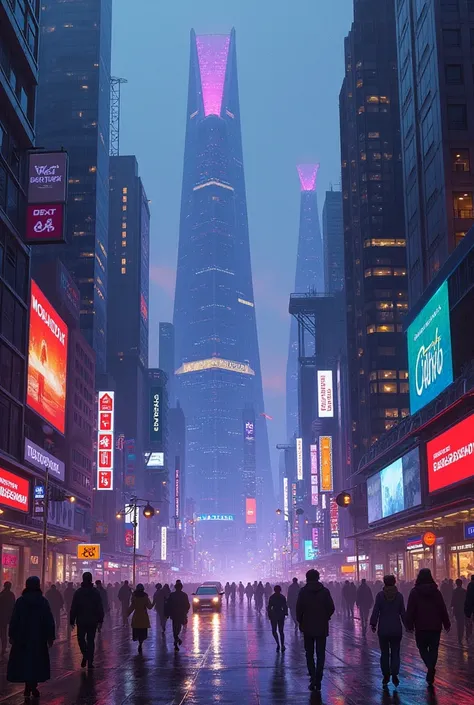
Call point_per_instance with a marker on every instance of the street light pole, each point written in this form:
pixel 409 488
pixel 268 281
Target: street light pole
pixel 45 530
pixel 135 521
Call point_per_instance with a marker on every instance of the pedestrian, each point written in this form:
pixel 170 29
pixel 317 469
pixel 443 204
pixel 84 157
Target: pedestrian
pixel 7 603
pixel 249 594
pixel 56 602
pixel 458 602
pixel 160 599
pixel 177 607
pixel 233 591
pixel 124 595
pixel 346 599
pixel 292 599
pixel 389 615
pixel 469 608
pixel 68 595
pixel 364 601
pixel 139 606
pixel 268 592
pixel 103 596
pixel 227 593
pixel 158 587
pixel 314 609
pixel 259 593
pixel 88 613
pixel 277 610
pixel 31 632
pixel 241 590
pixel 427 614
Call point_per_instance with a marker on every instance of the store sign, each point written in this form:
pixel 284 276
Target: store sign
pixel 250 510
pixel 156 413
pixel 105 441
pixel 299 458
pixel 415 544
pixel 429 538
pixel 43 460
pixel 39 492
pixel 325 463
pixel 47 361
pixel 164 543
pixel 348 569
pixel 462 547
pixel 313 451
pixel 334 524
pixel 155 460
pixel 310 553
pixel 215 517
pixel 14 491
pixel 44 224
pixel 88 551
pixel 286 498
pixel 353 559
pixel 315 537
pixel 325 394
pixel 469 531
pixel 430 363
pixel 47 177
pixel 451 456
pixel 129 528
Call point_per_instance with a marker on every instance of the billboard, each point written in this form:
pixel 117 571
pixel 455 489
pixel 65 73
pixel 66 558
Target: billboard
pixel 105 441
pixel 250 510
pixel 334 524
pixel 41 459
pixel 156 423
pixel 47 177
pixel 395 488
pixel 88 551
pixel 44 224
pixel 310 553
pixel 215 517
pixel 47 361
pixel 14 491
pixel 129 518
pixel 325 463
pixel 451 456
pixel 313 450
pixel 155 460
pixel 430 363
pixel 299 458
pixel 177 489
pixel 164 543
pixel 286 502
pixel 325 394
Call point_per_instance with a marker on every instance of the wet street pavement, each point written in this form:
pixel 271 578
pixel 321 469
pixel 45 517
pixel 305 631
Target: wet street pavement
pixel 230 659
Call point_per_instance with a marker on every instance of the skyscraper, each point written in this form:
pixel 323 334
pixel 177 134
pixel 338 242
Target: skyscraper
pixel 73 113
pixel 333 242
pixel 166 356
pixel 309 277
pixel 217 355
pixel 374 228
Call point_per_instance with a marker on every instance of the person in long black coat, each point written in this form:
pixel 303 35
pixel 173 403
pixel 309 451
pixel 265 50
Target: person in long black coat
pixel 31 632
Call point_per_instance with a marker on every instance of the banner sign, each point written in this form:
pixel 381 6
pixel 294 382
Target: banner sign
pixel 325 394
pixel 47 177
pixel 334 524
pixel 14 491
pixel 41 459
pixel 314 475
pixel 164 543
pixel 286 499
pixel 299 458
pixel 451 456
pixel 250 510
pixel 325 463
pixel 105 441
pixel 156 430
pixel 88 551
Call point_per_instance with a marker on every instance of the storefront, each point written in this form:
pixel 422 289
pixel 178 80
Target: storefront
pixel 11 565
pixel 461 560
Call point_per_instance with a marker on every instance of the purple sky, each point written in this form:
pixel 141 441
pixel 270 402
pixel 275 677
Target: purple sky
pixel 291 65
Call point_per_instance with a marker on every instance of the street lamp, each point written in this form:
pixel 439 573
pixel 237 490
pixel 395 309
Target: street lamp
pixel 132 508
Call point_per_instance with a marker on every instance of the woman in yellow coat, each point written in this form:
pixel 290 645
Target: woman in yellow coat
pixel 140 621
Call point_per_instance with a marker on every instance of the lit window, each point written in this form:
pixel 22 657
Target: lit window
pixel 374 135
pixel 404 413
pixel 124 208
pixel 402 306
pixel 92 169
pixel 382 271
pixel 404 388
pixel 458 237
pixel 123 270
pixel 370 329
pixel 387 374
pixel 384 99
pixel 361 110
pixel 389 425
pixel 125 189
pixel 124 243
pixel 84 87
pixel 124 261
pixel 384 242
pixel 124 226
pixel 372 99
pixel 386 329
pixel 399 272
pixel 360 83
pixel 391 413
pixel 124 199
pixel 388 388
pixel 460 160
pixel 384 305
pixel 463 204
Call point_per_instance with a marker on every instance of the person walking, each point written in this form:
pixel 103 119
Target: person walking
pixel 389 615
pixel 469 608
pixel 259 593
pixel 277 610
pixel 88 613
pixel 241 591
pixel 177 607
pixel 233 591
pixel 314 609
pixel 292 599
pixel 139 607
pixel 227 593
pixel 68 595
pixel 124 596
pixel 56 602
pixel 103 596
pixel 268 593
pixel 7 603
pixel 249 594
pixel 427 615
pixel 32 634
pixel 158 587
pixel 458 601
pixel 364 601
pixel 159 602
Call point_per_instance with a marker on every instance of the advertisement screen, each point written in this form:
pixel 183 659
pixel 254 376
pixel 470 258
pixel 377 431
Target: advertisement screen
pixel 14 491
pixel 430 364
pixel 155 460
pixel 299 458
pixel 451 456
pixel 325 394
pixel 250 511
pixel 395 488
pixel 249 431
pixel 44 224
pixel 105 441
pixel 47 177
pixel 215 517
pixel 47 361
pixel 314 475
pixel 286 499
pixel 310 553
pixel 325 463
pixel 156 430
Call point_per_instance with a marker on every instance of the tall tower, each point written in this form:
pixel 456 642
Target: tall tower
pixel 309 277
pixel 217 357
pixel 333 238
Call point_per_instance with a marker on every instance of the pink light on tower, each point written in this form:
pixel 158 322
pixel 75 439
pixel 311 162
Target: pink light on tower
pixel 308 174
pixel 213 50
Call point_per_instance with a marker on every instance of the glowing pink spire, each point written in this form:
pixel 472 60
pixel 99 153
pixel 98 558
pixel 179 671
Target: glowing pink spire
pixel 213 50
pixel 308 174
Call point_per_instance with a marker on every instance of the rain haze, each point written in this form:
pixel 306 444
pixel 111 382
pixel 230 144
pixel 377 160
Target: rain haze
pixel 290 65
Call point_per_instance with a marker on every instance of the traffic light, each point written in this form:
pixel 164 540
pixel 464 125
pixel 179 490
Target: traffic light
pixel 343 500
pixel 57 494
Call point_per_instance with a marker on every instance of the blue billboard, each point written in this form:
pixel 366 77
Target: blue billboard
pixel 430 362
pixel 310 553
pixel 395 488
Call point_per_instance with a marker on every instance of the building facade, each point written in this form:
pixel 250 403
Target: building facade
pixel 309 277
pixel 73 113
pixel 217 369
pixel 374 228
pixel 166 355
pixel 333 242
pixel 435 42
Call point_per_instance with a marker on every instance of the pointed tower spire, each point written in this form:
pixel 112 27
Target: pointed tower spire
pixel 213 52
pixel 308 174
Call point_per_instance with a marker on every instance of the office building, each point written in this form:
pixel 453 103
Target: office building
pixel 374 228
pixel 73 114
pixel 309 277
pixel 333 242
pixel 217 370
pixel 166 355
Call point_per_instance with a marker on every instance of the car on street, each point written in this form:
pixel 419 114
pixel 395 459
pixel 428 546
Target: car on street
pixel 207 597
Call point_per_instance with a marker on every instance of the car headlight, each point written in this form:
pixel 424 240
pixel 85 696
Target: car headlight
pixel 215 600
pixel 196 600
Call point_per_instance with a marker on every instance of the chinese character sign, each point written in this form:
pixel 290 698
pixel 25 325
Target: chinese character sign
pixel 105 441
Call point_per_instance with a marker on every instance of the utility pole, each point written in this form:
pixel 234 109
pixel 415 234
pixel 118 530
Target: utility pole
pixel 45 530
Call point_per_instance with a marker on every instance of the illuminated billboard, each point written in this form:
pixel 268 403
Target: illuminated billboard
pixel 14 491
pixel 129 517
pixel 164 543
pixel 334 524
pixel 286 498
pixel 250 510
pixel 105 441
pixel 395 488
pixel 451 456
pixel 325 463
pixel 325 394
pixel 44 224
pixel 47 177
pixel 215 517
pixel 299 458
pixel 156 415
pixel 313 450
pixel 310 553
pixel 155 460
pixel 47 361
pixel 430 363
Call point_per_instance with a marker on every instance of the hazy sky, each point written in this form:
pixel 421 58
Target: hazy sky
pixel 290 65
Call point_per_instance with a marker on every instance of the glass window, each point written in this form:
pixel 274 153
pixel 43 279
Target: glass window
pixel 388 388
pixel 462 202
pixel 451 37
pixel 460 160
pixel 390 413
pixel 457 117
pixel 454 74
pixel 387 374
pixel 404 388
pixel 458 237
